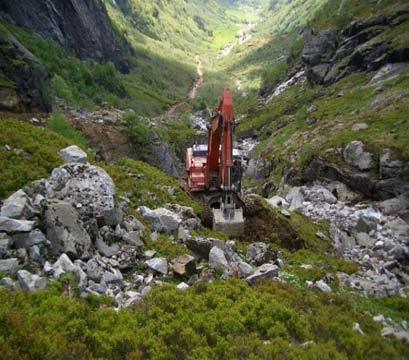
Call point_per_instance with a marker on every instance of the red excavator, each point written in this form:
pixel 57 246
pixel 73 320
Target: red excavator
pixel 213 172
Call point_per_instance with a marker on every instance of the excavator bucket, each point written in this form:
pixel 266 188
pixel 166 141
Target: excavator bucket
pixel 232 225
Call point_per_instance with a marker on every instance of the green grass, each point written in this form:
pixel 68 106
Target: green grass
pixel 225 320
pixel 61 126
pixel 33 156
pixel 167 247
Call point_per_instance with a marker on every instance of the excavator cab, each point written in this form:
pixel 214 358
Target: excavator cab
pixel 215 173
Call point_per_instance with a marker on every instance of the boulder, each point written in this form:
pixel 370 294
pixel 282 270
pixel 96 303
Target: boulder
pixel 296 198
pixel 342 192
pixel 31 282
pixel 320 193
pixel 94 270
pixel 259 253
pixel 183 286
pixel 73 154
pixel 319 48
pixel 163 157
pixel 9 100
pixel 394 205
pixel 12 226
pixel 158 264
pixel 263 272
pixel 277 201
pixel 86 187
pixel 323 286
pixel 161 219
pixel 364 240
pixel 112 217
pixel 317 73
pixel 17 206
pixel 366 224
pixel 184 265
pixel 132 298
pixel 389 168
pixel 65 231
pixel 62 266
pixel 355 155
pixel 114 276
pixel 389 72
pixel 400 228
pixel 35 254
pixel 26 240
pixel 359 126
pixel 131 224
pixel 9 266
pixel 133 238
pixel 5 244
pixel 217 259
pixel 105 249
pixel 8 283
pixel 81 276
pixel 202 246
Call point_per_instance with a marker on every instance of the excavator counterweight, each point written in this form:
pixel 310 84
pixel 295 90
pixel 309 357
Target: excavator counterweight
pixel 214 173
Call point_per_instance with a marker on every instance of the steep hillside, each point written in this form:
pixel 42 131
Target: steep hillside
pixel 83 28
pixel 105 254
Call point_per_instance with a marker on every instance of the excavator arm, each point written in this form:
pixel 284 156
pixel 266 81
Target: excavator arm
pixel 218 171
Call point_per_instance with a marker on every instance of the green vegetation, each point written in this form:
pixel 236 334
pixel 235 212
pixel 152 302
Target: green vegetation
pixel 33 154
pixel 80 83
pixel 167 246
pixel 148 186
pixel 225 320
pixel 61 126
pixel 5 82
pixel 137 131
pixel 179 134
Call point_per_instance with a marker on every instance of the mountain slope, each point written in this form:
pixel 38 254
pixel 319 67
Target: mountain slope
pixel 109 257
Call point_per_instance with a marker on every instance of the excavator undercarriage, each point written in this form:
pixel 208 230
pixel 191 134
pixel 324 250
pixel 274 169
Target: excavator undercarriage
pixel 215 174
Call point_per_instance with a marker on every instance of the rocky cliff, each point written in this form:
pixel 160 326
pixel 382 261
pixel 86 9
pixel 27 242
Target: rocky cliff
pixel 79 26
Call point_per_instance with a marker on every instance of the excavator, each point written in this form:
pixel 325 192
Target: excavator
pixel 214 174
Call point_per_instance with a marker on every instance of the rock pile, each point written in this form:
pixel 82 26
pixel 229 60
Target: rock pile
pixel 360 232
pixel 71 224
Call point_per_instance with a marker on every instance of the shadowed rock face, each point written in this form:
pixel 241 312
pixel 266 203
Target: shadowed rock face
pixel 79 25
pixel 28 75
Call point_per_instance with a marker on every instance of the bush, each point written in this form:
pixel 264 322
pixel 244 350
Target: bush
pixel 224 320
pixel 137 131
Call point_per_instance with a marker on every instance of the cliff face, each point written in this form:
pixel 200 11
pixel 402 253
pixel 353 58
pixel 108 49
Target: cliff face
pixel 82 26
